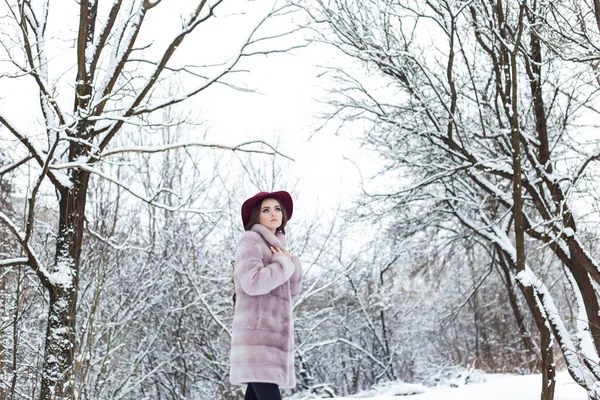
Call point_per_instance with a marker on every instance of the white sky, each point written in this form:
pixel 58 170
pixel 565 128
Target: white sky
pixel 284 113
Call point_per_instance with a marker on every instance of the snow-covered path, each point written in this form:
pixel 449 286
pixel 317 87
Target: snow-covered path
pixel 496 387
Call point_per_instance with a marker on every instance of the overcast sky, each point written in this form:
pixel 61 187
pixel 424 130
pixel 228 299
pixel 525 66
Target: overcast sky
pixel 285 110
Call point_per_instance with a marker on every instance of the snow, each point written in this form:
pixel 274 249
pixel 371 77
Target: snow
pixel 13 261
pixel 495 387
pixel 394 389
pixel 569 232
pixel 12 227
pixel 63 178
pixel 587 254
pixel 546 304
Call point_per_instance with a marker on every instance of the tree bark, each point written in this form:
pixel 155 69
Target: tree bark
pixel 548 371
pixel 57 379
pixel 546 364
pixel 511 288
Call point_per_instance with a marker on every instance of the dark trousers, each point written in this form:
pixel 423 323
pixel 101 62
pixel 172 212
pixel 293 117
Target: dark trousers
pixel 262 391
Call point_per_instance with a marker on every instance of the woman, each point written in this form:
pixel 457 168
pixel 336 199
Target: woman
pixel 267 277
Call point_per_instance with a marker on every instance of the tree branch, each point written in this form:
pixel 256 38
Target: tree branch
pixel 32 259
pixel 171 146
pixel 35 153
pixel 14 166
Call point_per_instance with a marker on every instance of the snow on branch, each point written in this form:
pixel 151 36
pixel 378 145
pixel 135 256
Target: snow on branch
pixel 121 49
pixel 586 342
pixel 12 262
pixel 545 303
pixel 584 165
pixel 33 195
pixel 32 258
pixel 113 243
pixel 202 298
pixel 581 246
pixel 150 200
pixel 194 21
pixel 59 180
pixel 39 72
pixel 156 149
pixel 226 67
pixel 15 165
pixel 362 350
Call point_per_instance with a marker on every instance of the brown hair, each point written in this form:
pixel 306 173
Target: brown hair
pixel 255 215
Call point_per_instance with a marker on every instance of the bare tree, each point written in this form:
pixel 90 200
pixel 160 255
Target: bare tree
pixel 484 123
pixel 119 76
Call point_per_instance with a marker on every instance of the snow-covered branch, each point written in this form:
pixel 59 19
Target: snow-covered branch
pixel 226 68
pixel 114 243
pixel 578 371
pixel 12 262
pixel 157 149
pixel 8 168
pixel 32 259
pixel 37 61
pixel 150 200
pixel 584 165
pixel 194 21
pixel 584 336
pixel 58 179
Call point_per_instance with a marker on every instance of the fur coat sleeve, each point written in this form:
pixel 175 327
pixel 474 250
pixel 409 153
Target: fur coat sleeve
pixel 254 275
pixel 296 279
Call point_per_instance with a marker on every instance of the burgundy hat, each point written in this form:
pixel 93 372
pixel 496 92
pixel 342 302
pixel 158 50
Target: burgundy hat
pixel 284 198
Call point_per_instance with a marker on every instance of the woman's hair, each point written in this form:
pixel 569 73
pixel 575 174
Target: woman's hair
pixel 255 215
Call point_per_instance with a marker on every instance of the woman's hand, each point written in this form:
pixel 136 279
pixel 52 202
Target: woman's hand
pixel 277 250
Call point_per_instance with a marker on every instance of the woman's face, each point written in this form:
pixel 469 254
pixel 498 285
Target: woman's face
pixel 270 214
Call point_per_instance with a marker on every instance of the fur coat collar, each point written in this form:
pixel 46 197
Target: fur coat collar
pixel 277 239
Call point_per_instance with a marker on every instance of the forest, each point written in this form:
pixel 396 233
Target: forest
pixel 468 241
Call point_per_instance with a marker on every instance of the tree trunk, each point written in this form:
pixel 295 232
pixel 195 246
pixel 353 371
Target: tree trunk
pixel 547 355
pixel 548 371
pixel 57 376
pixel 516 307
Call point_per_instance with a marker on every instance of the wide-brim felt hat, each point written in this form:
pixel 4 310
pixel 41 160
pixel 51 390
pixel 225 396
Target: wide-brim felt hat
pixel 284 198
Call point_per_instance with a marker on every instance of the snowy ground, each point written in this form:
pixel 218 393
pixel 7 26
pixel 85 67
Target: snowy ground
pixel 495 387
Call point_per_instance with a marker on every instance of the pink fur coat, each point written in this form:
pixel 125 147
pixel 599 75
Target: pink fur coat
pixel 262 343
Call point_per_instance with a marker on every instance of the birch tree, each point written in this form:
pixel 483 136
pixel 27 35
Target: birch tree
pixel 111 76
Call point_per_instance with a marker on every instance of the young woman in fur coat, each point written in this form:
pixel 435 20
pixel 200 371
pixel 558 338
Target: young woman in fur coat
pixel 267 278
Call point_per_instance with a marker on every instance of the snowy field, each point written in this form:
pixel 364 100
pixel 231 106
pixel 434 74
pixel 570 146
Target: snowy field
pixel 495 387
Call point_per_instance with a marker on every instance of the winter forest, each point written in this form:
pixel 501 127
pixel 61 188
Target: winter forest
pixel 443 156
